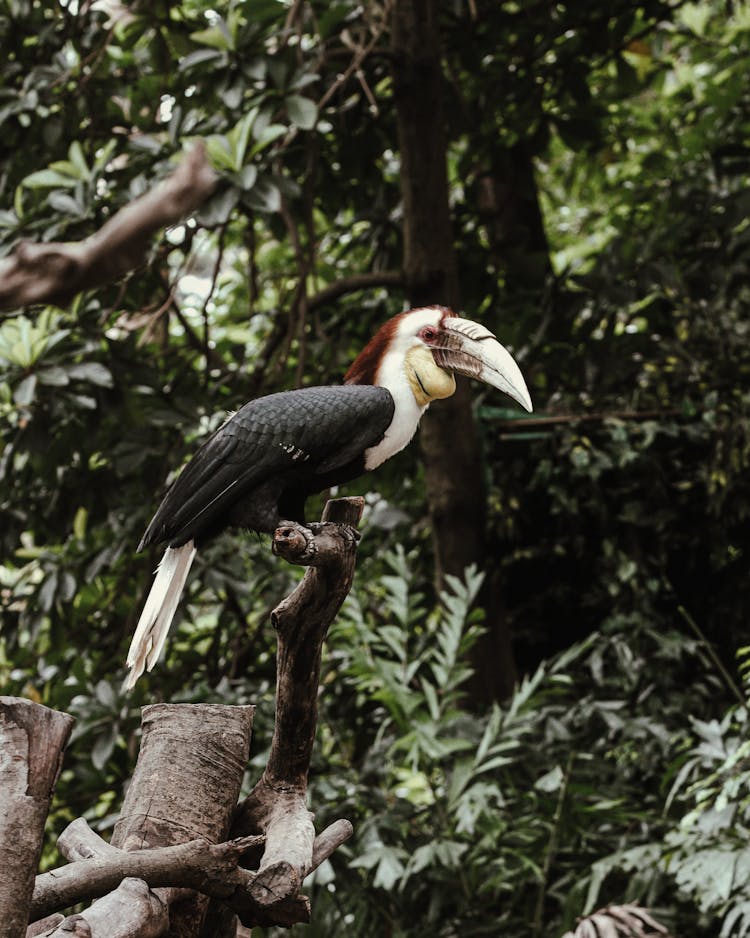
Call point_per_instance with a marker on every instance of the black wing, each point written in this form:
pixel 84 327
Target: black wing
pixel 291 435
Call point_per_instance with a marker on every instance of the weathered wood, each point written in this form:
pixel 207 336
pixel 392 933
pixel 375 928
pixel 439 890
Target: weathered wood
pixel 187 781
pixel 302 621
pixel 44 926
pixel 277 805
pixel 55 272
pixel 209 868
pixel 32 738
pixel 131 911
pixel 185 786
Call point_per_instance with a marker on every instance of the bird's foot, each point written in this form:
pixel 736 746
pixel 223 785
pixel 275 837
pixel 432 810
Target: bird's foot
pixel 300 543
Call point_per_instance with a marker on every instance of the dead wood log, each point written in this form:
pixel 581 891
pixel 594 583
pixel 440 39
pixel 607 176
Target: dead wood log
pixel 277 805
pixel 97 867
pixel 32 738
pixel 55 272
pixel 185 786
pixel 44 926
pixel 208 868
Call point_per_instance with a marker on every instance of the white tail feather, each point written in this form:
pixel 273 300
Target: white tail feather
pixel 159 610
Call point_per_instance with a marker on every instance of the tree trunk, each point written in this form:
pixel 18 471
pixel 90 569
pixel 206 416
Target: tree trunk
pixel 32 739
pixel 453 468
pixel 508 204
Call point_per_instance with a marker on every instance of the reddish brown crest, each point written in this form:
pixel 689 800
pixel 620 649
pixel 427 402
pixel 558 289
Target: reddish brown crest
pixel 364 368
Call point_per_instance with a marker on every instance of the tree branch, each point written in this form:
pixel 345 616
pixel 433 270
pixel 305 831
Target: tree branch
pixel 185 786
pixel 55 272
pixel 163 863
pixel 212 869
pixel 363 281
pixel 522 423
pixel 277 805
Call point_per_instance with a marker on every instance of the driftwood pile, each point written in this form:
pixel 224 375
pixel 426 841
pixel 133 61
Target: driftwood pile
pixel 186 859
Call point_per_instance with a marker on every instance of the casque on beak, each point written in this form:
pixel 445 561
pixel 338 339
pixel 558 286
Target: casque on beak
pixel 470 349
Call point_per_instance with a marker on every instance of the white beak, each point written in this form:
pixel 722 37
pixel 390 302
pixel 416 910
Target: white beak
pixel 470 349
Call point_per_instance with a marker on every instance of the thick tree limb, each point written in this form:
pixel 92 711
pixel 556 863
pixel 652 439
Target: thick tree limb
pixel 131 911
pixel 32 738
pixel 44 926
pixel 55 272
pixel 214 870
pixel 185 786
pixel 277 805
pixel 210 868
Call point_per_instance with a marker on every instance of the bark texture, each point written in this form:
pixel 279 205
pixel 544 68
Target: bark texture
pixel 448 436
pixel 170 843
pixel 185 786
pixel 454 475
pixel 32 738
pixel 210 868
pixel 277 805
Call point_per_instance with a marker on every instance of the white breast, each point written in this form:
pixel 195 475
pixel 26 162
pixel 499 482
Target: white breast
pixel 391 375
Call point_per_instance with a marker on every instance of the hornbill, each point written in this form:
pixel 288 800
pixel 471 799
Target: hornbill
pixel 263 462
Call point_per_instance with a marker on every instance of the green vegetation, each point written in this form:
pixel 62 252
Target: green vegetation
pixel 599 175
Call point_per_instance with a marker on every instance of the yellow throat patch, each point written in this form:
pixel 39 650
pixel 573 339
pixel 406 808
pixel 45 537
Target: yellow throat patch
pixel 428 382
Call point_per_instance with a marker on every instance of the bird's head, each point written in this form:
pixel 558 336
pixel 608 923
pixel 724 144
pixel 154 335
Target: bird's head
pixel 427 346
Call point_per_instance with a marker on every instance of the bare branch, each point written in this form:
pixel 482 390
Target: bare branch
pixel 55 272
pixel 363 281
pixel 330 840
pixel 522 423
pixel 185 786
pixel 209 868
pixel 277 805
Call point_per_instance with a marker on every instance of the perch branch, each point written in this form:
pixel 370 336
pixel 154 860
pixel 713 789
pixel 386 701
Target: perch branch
pixel 214 870
pixel 55 272
pixel 277 805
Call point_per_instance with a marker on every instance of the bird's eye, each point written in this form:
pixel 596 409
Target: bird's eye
pixel 428 333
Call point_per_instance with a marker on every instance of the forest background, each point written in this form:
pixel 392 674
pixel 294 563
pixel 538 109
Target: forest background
pixel 565 725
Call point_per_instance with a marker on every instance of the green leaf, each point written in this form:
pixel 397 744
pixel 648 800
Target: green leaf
pixel 551 781
pixel 25 392
pixel 79 523
pixel 93 372
pixel 103 748
pixel 48 179
pixel 267 136
pixel 217 37
pixel 220 152
pixel 198 57
pixel 265 196
pixel 239 137
pixel 303 112
pixel 78 160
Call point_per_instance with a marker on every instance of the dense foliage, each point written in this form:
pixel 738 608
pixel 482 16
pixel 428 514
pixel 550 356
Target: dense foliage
pixel 599 169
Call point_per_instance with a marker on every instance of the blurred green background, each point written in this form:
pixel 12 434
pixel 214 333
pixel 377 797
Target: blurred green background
pixel 598 163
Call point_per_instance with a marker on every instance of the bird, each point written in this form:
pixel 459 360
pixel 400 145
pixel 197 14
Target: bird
pixel 259 467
